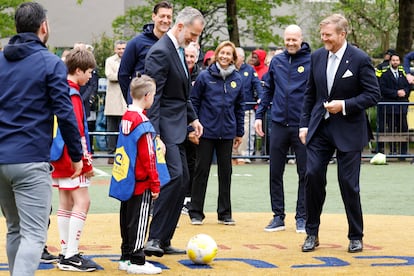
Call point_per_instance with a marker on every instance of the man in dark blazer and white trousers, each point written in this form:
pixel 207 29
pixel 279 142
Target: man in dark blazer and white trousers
pixel 333 118
pixel 170 115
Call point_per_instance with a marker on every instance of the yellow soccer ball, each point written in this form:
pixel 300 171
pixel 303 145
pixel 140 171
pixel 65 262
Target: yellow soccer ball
pixel 201 249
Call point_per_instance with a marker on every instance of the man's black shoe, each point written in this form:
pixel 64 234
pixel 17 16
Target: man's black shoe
pixel 169 250
pixel 310 243
pixel 153 247
pixel 48 258
pixel 355 246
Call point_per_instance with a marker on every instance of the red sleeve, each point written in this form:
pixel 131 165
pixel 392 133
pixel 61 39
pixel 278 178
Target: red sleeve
pixel 78 110
pixel 146 169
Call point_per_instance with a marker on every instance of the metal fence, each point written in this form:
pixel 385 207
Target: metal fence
pixel 392 129
pixel 394 133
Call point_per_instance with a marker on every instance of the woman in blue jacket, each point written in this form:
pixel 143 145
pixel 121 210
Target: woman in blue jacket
pixel 217 98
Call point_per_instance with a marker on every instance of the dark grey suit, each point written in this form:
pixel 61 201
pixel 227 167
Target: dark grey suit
pixel 170 115
pixel 354 82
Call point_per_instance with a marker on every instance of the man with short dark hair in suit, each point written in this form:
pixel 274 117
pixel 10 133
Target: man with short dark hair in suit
pixel 342 84
pixel 170 115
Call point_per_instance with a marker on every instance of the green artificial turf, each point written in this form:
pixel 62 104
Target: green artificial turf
pixel 385 189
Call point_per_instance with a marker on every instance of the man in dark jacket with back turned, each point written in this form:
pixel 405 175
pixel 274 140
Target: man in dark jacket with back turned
pixel 33 87
pixel 285 83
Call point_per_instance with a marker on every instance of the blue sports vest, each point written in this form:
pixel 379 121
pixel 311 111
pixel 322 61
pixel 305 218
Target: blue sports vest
pixel 56 149
pixel 123 172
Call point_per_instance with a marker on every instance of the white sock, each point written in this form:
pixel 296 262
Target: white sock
pixel 187 199
pixel 77 221
pixel 63 218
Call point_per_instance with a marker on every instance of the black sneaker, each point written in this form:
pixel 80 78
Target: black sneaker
pixel 48 258
pixel 77 263
pixel 60 258
pixel 227 221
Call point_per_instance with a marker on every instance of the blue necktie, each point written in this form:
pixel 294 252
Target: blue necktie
pixel 181 54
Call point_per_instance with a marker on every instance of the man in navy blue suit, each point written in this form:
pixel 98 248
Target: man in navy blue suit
pixel 170 115
pixel 342 84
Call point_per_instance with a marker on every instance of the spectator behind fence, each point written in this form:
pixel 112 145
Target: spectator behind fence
pixel 115 105
pixel 258 60
pixel 207 60
pixel 217 99
pixel 191 57
pixel 252 90
pixel 285 87
pixel 393 118
pixel 31 93
pixel 133 60
pixel 341 85
pixel 170 114
pixel 386 61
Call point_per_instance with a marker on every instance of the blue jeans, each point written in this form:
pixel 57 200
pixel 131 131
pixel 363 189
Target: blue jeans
pixel 25 199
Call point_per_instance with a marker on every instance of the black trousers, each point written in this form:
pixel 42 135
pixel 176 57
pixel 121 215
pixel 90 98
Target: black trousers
pixel 112 124
pixel 134 220
pixel 191 152
pixel 167 207
pixel 319 151
pixel 223 149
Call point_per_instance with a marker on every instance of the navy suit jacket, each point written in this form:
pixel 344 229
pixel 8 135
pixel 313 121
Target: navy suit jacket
pixel 172 110
pixel 356 83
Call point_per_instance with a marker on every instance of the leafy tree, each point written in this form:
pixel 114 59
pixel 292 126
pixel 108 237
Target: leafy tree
pixel 103 48
pixel 374 24
pixel 406 26
pixel 222 20
pixel 130 24
pixel 7 9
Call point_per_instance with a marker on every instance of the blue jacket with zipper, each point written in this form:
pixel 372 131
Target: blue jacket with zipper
pixel 133 59
pixel 33 88
pixel 218 103
pixel 285 86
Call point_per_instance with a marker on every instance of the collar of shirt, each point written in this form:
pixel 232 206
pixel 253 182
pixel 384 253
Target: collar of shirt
pixel 135 108
pixel 394 71
pixel 173 39
pixel 340 53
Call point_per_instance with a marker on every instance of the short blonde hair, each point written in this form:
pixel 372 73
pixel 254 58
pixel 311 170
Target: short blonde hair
pixel 338 20
pixel 141 85
pixel 224 44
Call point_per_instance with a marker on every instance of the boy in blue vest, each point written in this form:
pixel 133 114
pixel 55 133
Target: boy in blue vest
pixel 74 200
pixel 136 144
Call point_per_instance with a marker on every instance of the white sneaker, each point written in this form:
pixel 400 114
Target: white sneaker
pixel 123 265
pixel 146 268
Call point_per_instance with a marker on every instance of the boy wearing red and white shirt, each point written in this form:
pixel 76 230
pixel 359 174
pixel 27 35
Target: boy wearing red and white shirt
pixel 74 200
pixel 134 212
